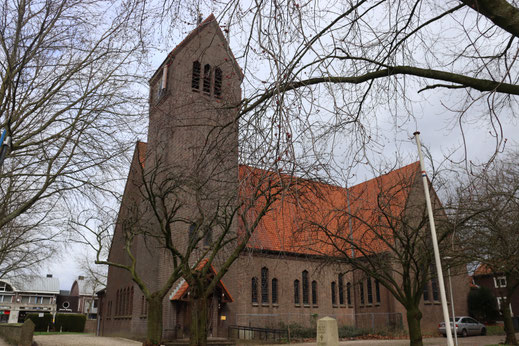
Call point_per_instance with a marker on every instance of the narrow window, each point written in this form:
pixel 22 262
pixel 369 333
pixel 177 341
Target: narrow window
pixel 341 289
pixel 361 288
pixel 435 293
pixel 195 79
pixel 208 237
pixel 254 290
pixel 314 292
pixel 426 292
pixel 264 285
pixel 348 293
pixel 274 291
pixel 131 301
pixel 207 79
pixel 142 305
pixel 296 292
pixel 370 292
pixel 305 287
pixel 192 234
pixel 217 82
pixel 117 302
pixel 334 293
pixel 377 291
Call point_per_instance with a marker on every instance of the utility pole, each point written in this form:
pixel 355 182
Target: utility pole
pixel 436 250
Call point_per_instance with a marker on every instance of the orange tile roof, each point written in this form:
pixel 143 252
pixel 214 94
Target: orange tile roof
pixel 293 220
pixel 182 288
pixel 141 151
pixel 482 269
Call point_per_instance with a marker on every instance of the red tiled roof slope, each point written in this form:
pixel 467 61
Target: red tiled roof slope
pixel 482 269
pixel 296 221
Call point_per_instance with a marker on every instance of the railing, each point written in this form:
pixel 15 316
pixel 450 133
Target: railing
pixel 255 333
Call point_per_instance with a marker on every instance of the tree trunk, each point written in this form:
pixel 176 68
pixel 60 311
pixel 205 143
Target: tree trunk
pixel 414 316
pixel 154 332
pixel 509 324
pixel 198 327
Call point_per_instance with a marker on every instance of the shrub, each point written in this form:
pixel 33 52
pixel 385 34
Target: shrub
pixel 70 322
pixel 40 323
pixel 482 305
pixel 299 332
pixel 351 332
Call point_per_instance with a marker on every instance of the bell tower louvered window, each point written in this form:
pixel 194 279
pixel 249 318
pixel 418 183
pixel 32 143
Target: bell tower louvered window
pixel 195 78
pixel 207 79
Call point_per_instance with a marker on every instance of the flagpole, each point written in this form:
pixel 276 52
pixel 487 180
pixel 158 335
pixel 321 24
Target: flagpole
pixel 439 271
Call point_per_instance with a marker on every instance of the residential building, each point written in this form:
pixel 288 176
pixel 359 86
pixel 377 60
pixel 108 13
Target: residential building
pixel 496 283
pixel 24 295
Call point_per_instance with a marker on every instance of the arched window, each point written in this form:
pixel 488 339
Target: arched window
pixel 334 293
pixel 435 292
pixel 131 301
pixel 192 234
pixel 254 290
pixel 117 303
pixel 296 292
pixel 361 289
pixel 377 291
pixel 348 293
pixel 370 293
pixel 207 79
pixel 426 292
pixel 217 82
pixel 314 292
pixel 305 287
pixel 264 285
pixel 195 78
pixel 341 289
pixel 274 291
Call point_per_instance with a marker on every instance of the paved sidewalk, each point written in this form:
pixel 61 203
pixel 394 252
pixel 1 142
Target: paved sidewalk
pixel 469 341
pixel 82 340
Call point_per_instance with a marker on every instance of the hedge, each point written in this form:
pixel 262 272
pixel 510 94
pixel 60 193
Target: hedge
pixel 40 323
pixel 70 322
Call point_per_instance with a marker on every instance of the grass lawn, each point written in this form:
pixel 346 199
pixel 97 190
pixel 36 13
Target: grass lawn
pixel 495 330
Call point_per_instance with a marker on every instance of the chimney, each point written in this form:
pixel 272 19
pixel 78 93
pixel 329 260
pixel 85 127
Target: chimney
pixel 81 277
pixel 49 275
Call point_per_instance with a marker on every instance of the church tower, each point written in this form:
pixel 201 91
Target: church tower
pixel 193 141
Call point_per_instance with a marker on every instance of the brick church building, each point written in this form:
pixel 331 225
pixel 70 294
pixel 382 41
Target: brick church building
pixel 281 276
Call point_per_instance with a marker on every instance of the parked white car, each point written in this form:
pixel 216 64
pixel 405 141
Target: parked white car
pixel 464 326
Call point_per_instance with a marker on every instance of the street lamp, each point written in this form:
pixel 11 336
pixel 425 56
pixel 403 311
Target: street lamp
pixel 448 259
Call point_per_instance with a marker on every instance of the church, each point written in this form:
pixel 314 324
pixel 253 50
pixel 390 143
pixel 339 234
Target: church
pixel 283 274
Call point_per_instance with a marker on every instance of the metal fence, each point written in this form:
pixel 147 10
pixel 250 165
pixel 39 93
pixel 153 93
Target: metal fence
pixel 365 321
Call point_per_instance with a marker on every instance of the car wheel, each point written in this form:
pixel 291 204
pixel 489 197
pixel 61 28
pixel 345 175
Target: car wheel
pixel 483 331
pixel 464 333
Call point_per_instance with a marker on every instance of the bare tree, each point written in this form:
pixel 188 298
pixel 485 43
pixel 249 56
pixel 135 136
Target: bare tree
pixel 158 202
pixel 69 81
pixel 490 236
pixel 380 228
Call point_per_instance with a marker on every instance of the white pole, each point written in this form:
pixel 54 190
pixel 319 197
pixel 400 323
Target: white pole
pixel 439 271
pixel 452 304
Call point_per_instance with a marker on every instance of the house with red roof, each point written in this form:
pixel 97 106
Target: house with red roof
pixel 290 270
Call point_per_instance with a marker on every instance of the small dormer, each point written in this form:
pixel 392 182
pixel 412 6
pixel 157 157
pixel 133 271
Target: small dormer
pixel 5 287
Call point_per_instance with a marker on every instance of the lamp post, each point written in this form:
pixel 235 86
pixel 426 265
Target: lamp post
pixel 448 259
